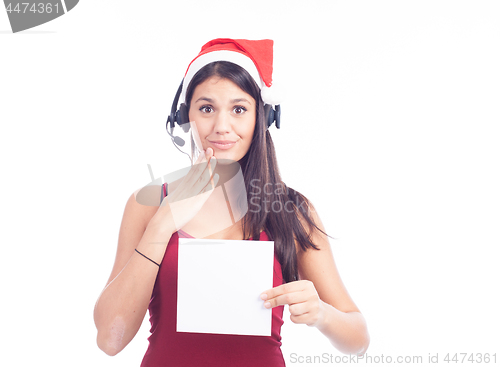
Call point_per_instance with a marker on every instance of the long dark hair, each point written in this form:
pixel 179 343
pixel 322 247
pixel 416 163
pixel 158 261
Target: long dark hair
pixel 272 206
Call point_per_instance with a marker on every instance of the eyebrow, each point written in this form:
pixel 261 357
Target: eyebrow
pixel 210 100
pixel 236 100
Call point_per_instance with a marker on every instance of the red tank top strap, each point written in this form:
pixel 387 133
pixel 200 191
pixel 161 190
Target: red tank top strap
pixel 163 191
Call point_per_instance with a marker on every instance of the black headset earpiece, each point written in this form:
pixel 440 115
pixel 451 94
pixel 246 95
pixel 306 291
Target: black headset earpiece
pixel 173 114
pixel 180 116
pixel 273 114
pixel 183 117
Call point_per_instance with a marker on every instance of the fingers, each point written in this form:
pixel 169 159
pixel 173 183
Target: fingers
pixel 289 293
pixel 285 299
pixel 214 179
pixel 291 287
pixel 205 157
pixel 206 179
pixel 198 166
pixel 306 318
pixel 302 298
pixel 298 309
pixel 201 172
pixel 206 154
pixel 209 153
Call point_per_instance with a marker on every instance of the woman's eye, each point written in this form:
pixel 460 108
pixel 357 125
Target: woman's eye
pixel 206 109
pixel 239 110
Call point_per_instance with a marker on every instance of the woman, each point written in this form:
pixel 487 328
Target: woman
pixel 224 94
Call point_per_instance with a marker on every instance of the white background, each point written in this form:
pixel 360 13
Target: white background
pixel 390 127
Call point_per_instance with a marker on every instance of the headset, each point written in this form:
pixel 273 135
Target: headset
pixel 181 116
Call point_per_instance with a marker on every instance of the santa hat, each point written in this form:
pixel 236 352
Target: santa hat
pixel 255 56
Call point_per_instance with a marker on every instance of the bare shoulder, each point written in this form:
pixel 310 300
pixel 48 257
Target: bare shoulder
pixel 139 209
pixel 317 233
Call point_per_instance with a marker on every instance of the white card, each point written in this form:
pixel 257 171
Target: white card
pixel 219 286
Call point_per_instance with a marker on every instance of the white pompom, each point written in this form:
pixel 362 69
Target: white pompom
pixel 271 95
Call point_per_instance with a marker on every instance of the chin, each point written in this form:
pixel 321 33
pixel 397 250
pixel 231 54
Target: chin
pixel 226 158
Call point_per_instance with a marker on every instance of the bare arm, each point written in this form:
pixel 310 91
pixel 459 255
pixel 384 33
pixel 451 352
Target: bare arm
pixel 123 303
pixel 339 318
pixel 320 298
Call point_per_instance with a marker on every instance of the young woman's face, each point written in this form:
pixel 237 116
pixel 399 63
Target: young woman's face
pixel 224 116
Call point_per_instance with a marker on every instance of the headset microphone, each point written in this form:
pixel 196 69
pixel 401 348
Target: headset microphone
pixel 176 139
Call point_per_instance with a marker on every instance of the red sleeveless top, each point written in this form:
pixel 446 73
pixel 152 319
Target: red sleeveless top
pixel 170 348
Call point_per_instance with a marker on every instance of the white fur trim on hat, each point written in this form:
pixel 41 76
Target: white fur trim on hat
pixel 235 57
pixel 271 95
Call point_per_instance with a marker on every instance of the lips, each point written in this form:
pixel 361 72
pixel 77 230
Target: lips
pixel 222 144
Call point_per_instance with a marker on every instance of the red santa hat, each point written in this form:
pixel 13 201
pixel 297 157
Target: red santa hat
pixel 255 56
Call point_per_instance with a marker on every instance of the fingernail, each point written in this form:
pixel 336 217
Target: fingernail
pixel 263 296
pixel 267 304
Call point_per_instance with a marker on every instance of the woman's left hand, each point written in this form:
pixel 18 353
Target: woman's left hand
pixel 301 296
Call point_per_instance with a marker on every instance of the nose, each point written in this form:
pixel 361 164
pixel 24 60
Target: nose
pixel 222 123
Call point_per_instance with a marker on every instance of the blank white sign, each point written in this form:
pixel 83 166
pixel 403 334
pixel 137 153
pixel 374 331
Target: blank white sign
pixel 219 286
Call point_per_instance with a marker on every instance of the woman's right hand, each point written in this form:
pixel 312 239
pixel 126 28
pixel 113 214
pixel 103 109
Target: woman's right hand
pixel 146 229
pixel 182 204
